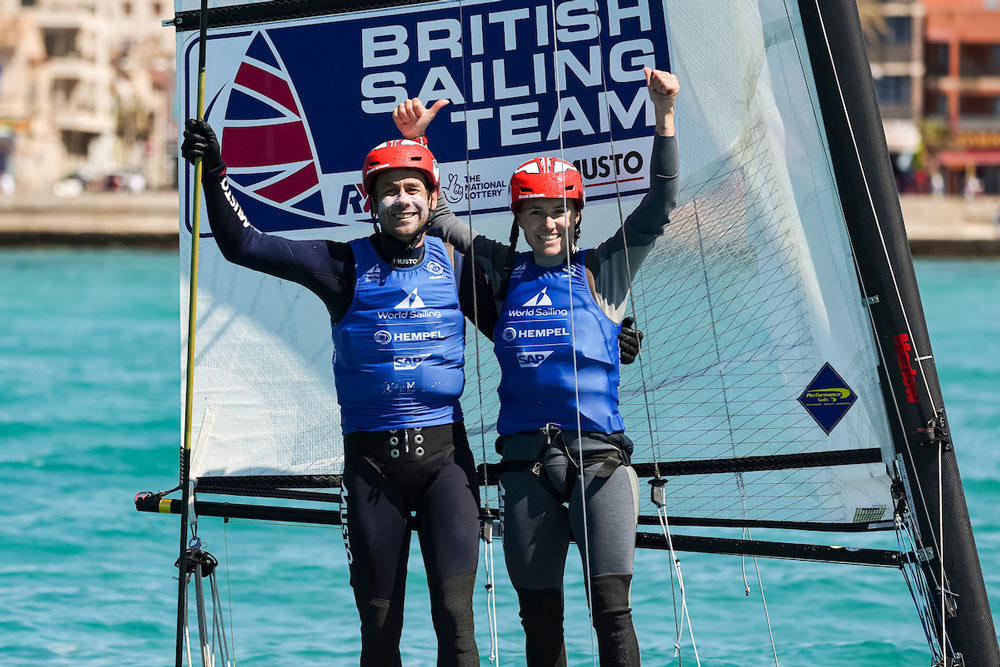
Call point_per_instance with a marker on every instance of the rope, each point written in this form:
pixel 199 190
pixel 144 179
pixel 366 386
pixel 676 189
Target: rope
pixel 664 525
pixel 654 442
pixel 569 243
pixel 763 599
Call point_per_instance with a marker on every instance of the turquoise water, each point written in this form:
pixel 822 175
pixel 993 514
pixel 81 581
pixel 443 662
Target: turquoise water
pixel 89 377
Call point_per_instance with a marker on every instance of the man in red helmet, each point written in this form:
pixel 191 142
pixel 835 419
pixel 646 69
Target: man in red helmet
pixel 405 446
pixel 565 471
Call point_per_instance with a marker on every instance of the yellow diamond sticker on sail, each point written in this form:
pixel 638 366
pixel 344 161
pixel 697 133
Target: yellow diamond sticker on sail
pixel 827 398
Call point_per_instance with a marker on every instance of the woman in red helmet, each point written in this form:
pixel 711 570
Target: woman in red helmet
pixel 405 447
pixel 565 471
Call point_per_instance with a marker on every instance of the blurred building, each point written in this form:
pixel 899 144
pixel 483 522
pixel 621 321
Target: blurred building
pixel 963 91
pixel 86 89
pixel 894 31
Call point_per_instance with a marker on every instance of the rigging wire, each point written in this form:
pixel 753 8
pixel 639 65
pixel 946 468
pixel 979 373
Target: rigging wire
pixel 569 242
pixel 185 453
pixel 487 530
pixel 654 443
pixel 229 586
pixel 944 592
pixel 915 584
pixel 763 599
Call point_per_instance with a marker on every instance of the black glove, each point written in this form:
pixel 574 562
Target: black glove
pixel 629 341
pixel 200 142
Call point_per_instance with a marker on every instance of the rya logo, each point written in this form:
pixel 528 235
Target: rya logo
pixel 354 200
pixel 532 359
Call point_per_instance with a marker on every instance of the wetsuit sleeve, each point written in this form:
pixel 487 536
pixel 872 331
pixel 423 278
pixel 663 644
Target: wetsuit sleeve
pixel 615 261
pixel 324 267
pixel 490 254
pixel 475 296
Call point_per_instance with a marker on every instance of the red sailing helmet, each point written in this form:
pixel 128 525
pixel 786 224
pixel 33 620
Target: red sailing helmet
pixel 403 154
pixel 546 177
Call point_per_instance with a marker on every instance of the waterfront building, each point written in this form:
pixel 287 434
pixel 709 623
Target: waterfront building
pixel 894 32
pixel 963 91
pixel 96 103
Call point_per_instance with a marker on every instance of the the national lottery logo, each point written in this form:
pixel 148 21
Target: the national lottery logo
pixel 472 186
pixel 509 334
pixel 383 337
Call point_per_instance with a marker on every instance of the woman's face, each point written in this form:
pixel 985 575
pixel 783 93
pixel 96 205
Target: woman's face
pixel 547 224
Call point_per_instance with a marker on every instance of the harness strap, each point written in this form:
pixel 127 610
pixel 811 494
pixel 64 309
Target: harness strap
pixel 609 460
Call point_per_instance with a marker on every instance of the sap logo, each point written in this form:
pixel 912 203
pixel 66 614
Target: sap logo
pixel 412 300
pixel 408 363
pixel 354 198
pixel 532 359
pixel 540 299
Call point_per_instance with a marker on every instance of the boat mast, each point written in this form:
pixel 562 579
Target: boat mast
pixel 856 140
pixel 185 480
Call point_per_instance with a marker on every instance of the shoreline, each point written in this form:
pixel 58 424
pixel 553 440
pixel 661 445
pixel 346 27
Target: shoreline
pixel 935 226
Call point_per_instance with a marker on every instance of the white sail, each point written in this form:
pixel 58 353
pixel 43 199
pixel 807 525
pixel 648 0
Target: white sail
pixel 745 298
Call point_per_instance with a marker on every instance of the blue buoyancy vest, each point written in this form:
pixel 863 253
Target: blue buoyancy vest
pixel 399 350
pixel 534 342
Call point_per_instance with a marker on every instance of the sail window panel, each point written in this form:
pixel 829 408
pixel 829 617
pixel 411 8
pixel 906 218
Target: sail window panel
pixel 845 495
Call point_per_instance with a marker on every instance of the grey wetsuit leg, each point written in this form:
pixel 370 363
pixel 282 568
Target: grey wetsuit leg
pixel 536 541
pixel 610 541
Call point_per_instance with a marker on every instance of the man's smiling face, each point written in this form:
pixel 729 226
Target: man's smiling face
pixel 404 202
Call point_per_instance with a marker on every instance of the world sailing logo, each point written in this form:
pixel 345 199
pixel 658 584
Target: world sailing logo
pixel 540 299
pixel 412 300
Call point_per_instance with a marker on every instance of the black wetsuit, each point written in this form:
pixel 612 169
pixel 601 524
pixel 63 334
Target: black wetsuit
pixel 392 479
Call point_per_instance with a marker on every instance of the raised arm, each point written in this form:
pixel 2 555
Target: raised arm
pixel 325 267
pixel 412 119
pixel 614 263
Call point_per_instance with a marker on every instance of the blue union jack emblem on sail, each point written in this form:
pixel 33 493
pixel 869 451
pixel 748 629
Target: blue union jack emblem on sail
pixel 267 146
